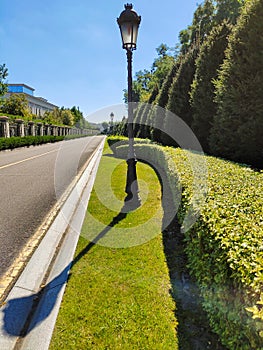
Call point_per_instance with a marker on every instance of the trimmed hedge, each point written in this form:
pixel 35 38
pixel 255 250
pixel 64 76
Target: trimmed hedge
pixel 26 141
pixel 117 141
pixel 224 249
pixel 224 246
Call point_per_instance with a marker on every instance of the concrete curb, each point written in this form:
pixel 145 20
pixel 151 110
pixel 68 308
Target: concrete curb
pixel 33 304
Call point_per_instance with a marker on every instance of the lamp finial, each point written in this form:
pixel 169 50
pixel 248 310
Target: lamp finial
pixel 128 7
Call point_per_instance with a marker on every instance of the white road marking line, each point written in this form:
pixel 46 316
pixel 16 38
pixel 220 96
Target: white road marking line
pixel 27 159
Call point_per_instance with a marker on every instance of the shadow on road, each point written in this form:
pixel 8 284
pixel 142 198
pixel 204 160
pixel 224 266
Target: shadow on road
pixel 17 321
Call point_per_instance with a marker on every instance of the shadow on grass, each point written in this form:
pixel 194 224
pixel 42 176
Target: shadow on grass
pixel 194 332
pixel 22 315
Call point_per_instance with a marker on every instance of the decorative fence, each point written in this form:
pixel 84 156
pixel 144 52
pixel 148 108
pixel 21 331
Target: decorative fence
pixel 21 128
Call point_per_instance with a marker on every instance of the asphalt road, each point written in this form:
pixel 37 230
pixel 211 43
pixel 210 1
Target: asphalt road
pixel 32 180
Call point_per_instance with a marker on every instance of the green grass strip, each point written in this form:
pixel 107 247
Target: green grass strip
pixel 118 298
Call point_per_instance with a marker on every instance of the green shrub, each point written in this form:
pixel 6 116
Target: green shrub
pixel 224 249
pixel 117 141
pixel 26 141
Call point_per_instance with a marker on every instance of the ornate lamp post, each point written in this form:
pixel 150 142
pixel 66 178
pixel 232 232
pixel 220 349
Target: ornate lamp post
pixel 111 122
pixel 129 22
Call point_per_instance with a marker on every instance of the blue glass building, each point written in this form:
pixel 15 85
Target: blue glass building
pixel 21 88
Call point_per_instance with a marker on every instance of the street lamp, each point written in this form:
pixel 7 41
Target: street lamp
pixel 129 22
pixel 111 123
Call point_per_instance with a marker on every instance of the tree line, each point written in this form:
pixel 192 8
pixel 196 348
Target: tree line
pixel 212 80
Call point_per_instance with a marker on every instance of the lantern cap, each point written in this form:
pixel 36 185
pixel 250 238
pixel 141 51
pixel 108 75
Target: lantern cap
pixel 129 15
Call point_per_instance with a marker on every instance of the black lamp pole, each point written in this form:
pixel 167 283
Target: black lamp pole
pixel 129 23
pixel 132 188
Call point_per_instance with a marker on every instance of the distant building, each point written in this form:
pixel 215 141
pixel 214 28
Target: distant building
pixel 37 105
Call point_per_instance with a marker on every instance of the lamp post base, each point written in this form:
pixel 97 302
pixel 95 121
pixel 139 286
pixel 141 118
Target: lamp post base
pixel 132 201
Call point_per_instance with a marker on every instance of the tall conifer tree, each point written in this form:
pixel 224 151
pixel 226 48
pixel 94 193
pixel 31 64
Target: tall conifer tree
pixel 179 94
pixel 238 126
pixel 211 57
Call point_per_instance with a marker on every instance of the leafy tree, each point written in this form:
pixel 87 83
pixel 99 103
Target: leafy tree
pixel 77 114
pixel 140 87
pixel 203 22
pixel 174 73
pixel 60 116
pixel 147 82
pixel 208 14
pixel 120 128
pixel 16 104
pixel 161 66
pixel 53 116
pixel 67 117
pixel 79 120
pixel 237 130
pixel 208 63
pixel 184 38
pixel 105 126
pixel 3 76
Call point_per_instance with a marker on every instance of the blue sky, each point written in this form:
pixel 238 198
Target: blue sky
pixel 70 51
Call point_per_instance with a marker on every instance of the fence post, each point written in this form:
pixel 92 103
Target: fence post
pixel 4 126
pixel 20 127
pixel 31 130
pixel 47 129
pixel 39 129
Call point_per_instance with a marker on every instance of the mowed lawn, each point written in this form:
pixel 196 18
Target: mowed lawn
pixel 118 295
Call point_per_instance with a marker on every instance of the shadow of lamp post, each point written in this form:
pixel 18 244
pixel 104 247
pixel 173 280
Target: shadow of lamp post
pixel 129 22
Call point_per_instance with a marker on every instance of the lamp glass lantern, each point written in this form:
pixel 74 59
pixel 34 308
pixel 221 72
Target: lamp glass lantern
pixel 129 23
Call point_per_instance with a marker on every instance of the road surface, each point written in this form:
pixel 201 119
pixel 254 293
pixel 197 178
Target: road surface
pixel 32 180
